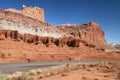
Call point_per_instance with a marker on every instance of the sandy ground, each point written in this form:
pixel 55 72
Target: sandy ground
pixel 14 51
pixel 100 72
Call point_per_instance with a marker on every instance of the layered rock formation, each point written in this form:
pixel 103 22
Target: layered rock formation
pixel 35 12
pixel 15 21
pixel 89 32
pixel 26 37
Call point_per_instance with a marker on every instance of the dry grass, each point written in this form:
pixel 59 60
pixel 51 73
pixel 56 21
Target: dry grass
pixel 50 71
pixel 2 76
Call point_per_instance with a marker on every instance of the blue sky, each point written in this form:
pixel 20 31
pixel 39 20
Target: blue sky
pixel 104 12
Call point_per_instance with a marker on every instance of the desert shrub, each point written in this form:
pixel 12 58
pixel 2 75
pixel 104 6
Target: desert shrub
pixel 84 78
pixel 16 76
pixel 32 72
pixel 91 65
pixel 67 65
pixel 88 69
pixel 83 66
pixel 118 76
pixel 63 74
pixel 105 71
pixel 96 79
pixel 38 71
pixel 105 76
pixel 50 73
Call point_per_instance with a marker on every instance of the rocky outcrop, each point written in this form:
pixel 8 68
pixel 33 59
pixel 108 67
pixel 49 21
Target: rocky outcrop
pixel 28 38
pixel 90 32
pixel 33 12
pixel 14 20
pixel 25 36
pixel 43 29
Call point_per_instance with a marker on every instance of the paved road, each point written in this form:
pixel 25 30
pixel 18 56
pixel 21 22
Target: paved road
pixel 13 67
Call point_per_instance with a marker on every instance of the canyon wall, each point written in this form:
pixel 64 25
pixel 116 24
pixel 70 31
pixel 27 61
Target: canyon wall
pixel 24 24
pixel 47 41
pixel 29 29
pixel 20 21
pixel 25 36
pixel 89 32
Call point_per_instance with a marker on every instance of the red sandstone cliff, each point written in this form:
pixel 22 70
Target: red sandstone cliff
pixel 26 37
pixel 35 12
pixel 89 32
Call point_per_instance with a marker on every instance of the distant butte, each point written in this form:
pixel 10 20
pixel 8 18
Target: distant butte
pixel 25 37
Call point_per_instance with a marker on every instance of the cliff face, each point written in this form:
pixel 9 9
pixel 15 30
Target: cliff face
pixel 44 29
pixel 28 38
pixel 13 20
pixel 37 13
pixel 90 32
pixel 33 12
pixel 19 21
pixel 24 36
